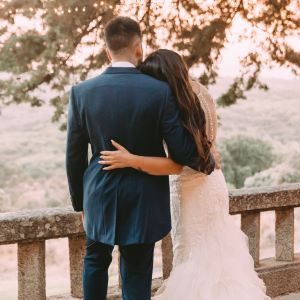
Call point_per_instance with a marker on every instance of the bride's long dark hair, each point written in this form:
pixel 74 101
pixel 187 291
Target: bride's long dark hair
pixel 169 66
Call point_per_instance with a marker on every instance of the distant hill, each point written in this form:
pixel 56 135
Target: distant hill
pixel 274 114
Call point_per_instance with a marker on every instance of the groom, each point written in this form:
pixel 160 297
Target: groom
pixel 124 207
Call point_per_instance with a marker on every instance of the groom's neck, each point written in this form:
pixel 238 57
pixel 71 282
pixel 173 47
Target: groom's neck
pixel 124 58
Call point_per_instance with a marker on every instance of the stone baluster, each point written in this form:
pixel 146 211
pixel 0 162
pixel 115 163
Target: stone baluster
pixel 167 256
pixel 31 271
pixel 284 230
pixel 250 224
pixel 76 256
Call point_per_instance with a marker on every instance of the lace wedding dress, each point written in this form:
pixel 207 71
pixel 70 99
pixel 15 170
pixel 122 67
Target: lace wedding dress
pixel 211 255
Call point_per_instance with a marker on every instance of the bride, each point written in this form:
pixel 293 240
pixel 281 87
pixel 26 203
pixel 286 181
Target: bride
pixel 211 256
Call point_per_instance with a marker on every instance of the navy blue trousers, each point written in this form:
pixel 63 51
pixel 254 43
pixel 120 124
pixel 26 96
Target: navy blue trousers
pixel 136 266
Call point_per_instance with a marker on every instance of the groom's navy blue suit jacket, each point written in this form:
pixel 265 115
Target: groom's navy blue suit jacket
pixel 124 206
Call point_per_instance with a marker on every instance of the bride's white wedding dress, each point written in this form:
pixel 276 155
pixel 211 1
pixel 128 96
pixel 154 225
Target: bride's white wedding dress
pixel 211 255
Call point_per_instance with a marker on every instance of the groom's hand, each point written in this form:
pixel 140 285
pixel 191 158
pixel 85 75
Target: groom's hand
pixel 117 159
pixel 82 216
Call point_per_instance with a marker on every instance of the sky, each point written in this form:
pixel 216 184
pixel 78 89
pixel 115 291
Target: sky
pixel 229 65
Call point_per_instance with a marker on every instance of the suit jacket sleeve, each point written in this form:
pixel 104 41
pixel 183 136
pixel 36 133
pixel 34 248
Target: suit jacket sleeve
pixel 181 145
pixel 76 154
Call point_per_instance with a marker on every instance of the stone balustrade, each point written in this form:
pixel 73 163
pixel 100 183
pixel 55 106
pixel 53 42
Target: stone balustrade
pixel 30 229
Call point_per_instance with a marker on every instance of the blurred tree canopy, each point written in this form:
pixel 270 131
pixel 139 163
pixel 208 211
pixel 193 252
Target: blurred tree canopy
pixel 54 43
pixel 242 157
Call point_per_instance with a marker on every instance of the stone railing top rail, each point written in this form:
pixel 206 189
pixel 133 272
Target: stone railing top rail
pixel 51 223
pixel 264 198
pixel 45 223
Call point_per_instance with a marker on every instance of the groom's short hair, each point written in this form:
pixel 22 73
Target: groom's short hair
pixel 119 33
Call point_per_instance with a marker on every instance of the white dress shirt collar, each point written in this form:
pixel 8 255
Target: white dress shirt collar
pixel 122 64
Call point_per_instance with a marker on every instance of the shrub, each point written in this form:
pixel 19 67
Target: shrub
pixel 242 157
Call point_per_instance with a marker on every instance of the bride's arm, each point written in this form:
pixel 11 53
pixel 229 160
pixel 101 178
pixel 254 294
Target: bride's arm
pixel 121 158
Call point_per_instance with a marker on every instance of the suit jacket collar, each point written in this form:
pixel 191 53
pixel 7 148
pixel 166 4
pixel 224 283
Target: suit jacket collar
pixel 121 70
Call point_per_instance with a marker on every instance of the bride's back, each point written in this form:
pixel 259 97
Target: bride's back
pixel 209 108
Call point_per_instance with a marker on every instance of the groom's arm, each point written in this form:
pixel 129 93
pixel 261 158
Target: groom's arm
pixel 76 154
pixel 181 146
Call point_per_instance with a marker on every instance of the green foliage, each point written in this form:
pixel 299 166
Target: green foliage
pixel 292 175
pixel 242 157
pixel 12 55
pixel 244 83
pixel 6 173
pixel 286 172
pixel 48 51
